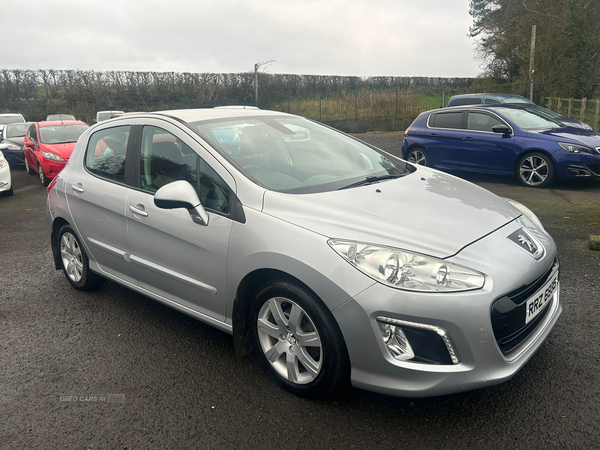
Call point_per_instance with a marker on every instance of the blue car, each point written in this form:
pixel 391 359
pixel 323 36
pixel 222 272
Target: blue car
pixel 504 140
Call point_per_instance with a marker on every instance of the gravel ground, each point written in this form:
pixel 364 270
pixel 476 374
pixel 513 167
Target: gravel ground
pixel 181 386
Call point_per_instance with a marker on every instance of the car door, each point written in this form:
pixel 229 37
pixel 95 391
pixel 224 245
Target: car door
pixel 30 144
pixel 173 256
pixel 444 137
pixel 96 196
pixel 484 150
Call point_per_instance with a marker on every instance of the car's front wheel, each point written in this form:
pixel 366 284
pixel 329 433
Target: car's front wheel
pixel 535 170
pixel 75 262
pixel 298 339
pixel 28 168
pixel 43 178
pixel 418 156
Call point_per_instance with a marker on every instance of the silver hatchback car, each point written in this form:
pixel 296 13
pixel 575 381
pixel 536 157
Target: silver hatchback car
pixel 333 260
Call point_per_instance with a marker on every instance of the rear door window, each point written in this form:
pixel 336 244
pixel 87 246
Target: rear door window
pixel 106 153
pixel 446 120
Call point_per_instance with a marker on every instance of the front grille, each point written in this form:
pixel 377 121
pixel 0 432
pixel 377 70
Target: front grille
pixel 508 313
pixel 595 169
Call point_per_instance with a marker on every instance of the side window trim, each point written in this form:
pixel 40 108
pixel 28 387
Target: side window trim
pixel 462 124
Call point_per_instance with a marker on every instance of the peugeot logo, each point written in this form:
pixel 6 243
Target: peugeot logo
pixel 528 242
pixel 525 241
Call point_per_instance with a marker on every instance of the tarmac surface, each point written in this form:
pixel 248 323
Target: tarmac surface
pixel 114 369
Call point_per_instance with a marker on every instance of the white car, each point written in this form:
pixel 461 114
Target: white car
pixel 5 180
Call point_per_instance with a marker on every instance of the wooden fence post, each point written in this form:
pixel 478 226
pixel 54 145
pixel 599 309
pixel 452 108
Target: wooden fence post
pixel 570 111
pixel 582 115
pixel 597 118
pixel 559 105
pixel 549 106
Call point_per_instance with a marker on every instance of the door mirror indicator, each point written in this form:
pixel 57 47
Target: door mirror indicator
pixel 502 129
pixel 181 194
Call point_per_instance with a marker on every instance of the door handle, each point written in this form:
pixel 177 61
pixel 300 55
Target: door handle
pixel 136 210
pixel 433 135
pixel 77 188
pixel 467 138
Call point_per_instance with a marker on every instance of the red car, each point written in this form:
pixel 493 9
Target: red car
pixel 48 146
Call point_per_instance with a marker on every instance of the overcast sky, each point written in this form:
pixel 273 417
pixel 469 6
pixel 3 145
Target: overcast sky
pixel 324 37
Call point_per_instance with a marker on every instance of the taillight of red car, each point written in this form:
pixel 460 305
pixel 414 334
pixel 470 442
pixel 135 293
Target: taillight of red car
pixel 406 132
pixel 52 183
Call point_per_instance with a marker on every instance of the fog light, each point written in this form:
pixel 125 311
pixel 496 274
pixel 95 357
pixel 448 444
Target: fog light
pixel 395 341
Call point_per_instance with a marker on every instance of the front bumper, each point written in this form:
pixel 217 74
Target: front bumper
pixel 5 178
pixel 52 168
pixel 466 318
pixel 579 165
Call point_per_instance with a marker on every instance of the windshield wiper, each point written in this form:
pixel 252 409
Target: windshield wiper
pixel 371 180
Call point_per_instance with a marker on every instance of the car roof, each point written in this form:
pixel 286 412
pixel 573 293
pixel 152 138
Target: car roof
pixel 197 115
pixel 49 123
pixel 485 95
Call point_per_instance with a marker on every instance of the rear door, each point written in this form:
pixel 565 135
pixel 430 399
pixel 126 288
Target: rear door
pixel 96 198
pixel 174 257
pixel 444 137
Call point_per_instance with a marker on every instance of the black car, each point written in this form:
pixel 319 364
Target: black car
pixel 11 142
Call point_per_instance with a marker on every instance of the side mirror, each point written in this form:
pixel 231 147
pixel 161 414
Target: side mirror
pixel 502 129
pixel 28 143
pixel 181 194
pixel 94 121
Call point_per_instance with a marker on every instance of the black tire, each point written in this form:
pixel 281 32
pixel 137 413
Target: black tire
pixel 536 170
pixel 418 156
pixel 43 178
pixel 28 169
pixel 88 280
pixel 334 366
pixel 8 193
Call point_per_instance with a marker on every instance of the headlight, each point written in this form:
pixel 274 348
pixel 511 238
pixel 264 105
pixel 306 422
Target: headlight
pixel 12 147
pixel 406 270
pixel 52 156
pixel 3 162
pixel 574 148
pixel 526 212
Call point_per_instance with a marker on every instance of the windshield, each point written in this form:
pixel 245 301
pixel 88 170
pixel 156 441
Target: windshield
pixel 536 109
pixel 528 120
pixel 515 100
pixel 60 134
pixel 16 130
pixel 12 118
pixel 105 115
pixel 295 155
pixel 60 117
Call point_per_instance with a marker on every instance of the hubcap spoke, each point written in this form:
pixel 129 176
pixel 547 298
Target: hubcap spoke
pixel 272 330
pixel 278 313
pixel 276 351
pixel 310 339
pixel 309 364
pixel 293 372
pixel 295 318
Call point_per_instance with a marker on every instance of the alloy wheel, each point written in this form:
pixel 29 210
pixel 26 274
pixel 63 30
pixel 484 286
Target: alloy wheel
pixel 533 170
pixel 290 340
pixel 417 157
pixel 71 256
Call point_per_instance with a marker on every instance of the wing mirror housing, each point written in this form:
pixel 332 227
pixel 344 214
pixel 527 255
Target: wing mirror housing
pixel 501 129
pixel 181 194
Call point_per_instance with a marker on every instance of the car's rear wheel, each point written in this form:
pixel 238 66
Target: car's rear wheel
pixel 418 156
pixel 28 168
pixel 535 170
pixel 298 340
pixel 75 262
pixel 43 178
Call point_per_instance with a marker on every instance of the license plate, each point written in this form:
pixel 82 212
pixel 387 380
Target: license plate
pixel 541 298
